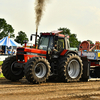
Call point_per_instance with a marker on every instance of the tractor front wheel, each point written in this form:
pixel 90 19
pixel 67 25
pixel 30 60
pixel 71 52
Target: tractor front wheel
pixel 37 70
pixel 9 71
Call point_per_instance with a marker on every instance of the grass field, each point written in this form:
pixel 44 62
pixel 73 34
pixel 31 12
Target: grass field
pixel 1 62
pixel 1 75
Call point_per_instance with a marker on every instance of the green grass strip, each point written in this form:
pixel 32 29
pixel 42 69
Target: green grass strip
pixel 1 75
pixel 1 62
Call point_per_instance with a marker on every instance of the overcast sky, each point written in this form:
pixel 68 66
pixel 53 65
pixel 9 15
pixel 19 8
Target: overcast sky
pixel 82 17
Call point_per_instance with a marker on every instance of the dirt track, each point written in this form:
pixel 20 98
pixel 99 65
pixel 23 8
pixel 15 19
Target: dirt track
pixel 23 90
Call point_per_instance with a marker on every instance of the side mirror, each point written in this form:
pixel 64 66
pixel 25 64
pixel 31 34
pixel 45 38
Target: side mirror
pixel 56 38
pixel 32 35
pixel 31 38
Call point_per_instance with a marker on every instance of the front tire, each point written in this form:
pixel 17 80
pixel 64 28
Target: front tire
pixel 70 68
pixel 9 71
pixel 37 70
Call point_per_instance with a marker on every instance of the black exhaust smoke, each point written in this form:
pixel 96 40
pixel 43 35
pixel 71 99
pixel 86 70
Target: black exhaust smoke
pixel 39 8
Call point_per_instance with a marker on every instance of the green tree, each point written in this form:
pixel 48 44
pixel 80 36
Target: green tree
pixel 5 29
pixel 21 37
pixel 72 37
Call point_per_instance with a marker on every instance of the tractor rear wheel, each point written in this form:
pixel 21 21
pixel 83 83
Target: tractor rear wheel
pixel 70 68
pixel 9 71
pixel 37 70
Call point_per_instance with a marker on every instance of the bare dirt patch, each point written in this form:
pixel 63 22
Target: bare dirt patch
pixel 23 90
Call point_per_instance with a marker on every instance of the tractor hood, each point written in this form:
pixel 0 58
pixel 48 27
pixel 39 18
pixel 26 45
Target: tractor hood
pixel 24 54
pixel 30 51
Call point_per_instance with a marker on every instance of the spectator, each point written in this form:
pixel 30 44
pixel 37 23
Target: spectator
pixel 1 51
pixel 13 52
pixel 9 51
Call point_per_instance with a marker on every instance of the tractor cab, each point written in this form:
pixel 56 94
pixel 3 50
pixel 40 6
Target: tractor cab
pixel 50 41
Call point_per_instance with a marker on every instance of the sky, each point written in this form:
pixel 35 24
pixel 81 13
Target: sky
pixel 82 17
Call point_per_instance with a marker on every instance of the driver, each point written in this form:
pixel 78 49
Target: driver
pixel 55 47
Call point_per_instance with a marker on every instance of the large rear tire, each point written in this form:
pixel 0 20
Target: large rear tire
pixel 9 71
pixel 86 69
pixel 97 71
pixel 70 68
pixel 37 70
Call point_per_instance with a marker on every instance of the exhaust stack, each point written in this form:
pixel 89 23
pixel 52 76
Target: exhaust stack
pixel 36 37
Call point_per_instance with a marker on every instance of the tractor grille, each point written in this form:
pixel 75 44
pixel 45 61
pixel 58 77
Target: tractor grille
pixel 22 49
pixel 20 57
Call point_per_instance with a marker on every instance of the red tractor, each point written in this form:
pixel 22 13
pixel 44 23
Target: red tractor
pixel 52 58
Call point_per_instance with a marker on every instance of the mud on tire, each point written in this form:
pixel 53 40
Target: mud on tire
pixel 37 70
pixel 70 68
pixel 9 71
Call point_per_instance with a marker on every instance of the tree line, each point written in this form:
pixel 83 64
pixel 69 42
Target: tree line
pixel 6 28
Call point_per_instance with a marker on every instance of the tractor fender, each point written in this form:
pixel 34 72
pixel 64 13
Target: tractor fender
pixel 66 52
